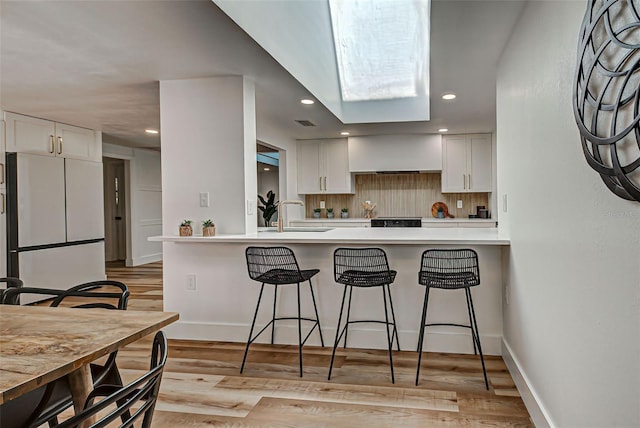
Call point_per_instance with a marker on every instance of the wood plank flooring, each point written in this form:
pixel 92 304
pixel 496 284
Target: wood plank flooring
pixel 202 385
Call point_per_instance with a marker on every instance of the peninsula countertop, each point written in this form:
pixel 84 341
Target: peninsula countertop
pixel 377 236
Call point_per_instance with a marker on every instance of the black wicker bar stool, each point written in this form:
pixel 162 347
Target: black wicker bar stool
pixel 364 268
pixel 278 266
pixel 450 270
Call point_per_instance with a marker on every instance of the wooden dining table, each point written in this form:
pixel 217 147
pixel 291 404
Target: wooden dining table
pixel 41 344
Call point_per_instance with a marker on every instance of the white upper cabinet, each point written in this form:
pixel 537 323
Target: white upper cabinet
pixel 395 153
pixel 323 167
pixel 467 163
pixel 26 134
pixel 3 163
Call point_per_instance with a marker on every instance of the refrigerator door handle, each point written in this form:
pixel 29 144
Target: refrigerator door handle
pixel 3 204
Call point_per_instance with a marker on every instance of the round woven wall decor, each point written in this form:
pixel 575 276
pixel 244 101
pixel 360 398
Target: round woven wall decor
pixel 606 99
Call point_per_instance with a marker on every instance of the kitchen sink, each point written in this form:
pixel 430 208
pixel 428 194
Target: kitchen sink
pixel 297 229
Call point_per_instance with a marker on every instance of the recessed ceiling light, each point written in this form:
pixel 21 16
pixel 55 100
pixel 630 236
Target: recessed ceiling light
pixel 449 96
pixel 307 101
pixel 443 129
pixel 267 169
pixel 150 131
pixel 344 133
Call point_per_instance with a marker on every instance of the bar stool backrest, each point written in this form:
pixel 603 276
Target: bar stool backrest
pixel 355 266
pixel 449 268
pixel 273 265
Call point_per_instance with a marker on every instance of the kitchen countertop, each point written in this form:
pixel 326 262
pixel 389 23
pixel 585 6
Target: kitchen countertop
pixel 377 236
pixel 424 220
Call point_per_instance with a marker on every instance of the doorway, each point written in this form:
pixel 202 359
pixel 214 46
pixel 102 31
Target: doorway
pixel 115 210
pixel 268 162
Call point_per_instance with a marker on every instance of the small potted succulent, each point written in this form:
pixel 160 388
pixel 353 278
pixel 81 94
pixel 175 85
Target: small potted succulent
pixel 345 213
pixel 316 213
pixel 330 213
pixel 185 228
pixel 208 228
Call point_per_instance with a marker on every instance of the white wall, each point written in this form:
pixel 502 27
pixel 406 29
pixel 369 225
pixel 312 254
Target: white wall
pixel 144 182
pixel 572 324
pixel 208 145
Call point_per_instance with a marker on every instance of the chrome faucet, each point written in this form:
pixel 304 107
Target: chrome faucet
pixel 288 202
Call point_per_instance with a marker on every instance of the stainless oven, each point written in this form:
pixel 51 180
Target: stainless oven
pixel 396 222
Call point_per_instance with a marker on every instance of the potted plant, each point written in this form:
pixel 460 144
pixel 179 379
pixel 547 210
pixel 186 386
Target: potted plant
pixel 208 228
pixel 185 228
pixel 269 208
pixel 440 212
pixel 316 213
pixel 345 213
pixel 330 213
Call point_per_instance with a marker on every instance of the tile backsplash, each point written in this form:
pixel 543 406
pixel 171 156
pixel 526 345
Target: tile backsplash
pixel 397 195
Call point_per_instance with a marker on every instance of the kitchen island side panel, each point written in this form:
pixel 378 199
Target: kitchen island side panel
pixel 222 306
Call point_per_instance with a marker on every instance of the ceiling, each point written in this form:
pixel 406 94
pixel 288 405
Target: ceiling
pixel 97 64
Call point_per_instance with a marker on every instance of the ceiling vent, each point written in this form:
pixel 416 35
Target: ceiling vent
pixel 304 122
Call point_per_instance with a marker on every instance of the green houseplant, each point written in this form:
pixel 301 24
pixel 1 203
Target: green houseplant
pixel 344 213
pixel 208 228
pixel 269 207
pixel 185 228
pixel 330 213
pixel 316 213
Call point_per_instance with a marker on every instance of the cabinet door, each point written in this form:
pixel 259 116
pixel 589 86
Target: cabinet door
pixel 335 167
pixel 309 180
pixel 76 143
pixel 26 134
pixel 480 164
pixel 41 200
pixel 85 202
pixel 454 166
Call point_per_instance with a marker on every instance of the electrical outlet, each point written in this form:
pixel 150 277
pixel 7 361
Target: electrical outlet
pixel 204 199
pixel 322 204
pixel 191 282
pixel 251 207
pixel 459 204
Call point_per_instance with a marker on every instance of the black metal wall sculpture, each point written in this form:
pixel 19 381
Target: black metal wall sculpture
pixel 606 99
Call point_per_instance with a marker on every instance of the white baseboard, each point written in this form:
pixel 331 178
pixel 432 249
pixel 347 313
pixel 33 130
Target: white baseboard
pixel 538 413
pixel 150 258
pixel 358 337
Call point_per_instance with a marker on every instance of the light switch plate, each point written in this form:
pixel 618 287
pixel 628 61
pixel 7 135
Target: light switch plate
pixel 204 199
pixel 322 204
pixel 251 207
pixel 459 204
pixel 504 203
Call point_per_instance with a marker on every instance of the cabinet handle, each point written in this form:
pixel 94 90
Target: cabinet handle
pixel 464 181
pixel 53 144
pixel 469 181
pixel 2 175
pixel 59 145
pixel 325 183
pixel 3 204
pixel 320 183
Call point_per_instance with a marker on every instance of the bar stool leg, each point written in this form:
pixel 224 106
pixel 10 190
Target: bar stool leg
pixel 315 308
pixel 473 331
pixel 421 335
pixel 253 323
pixel 393 315
pixel 273 324
pixel 335 342
pixel 475 323
pixel 299 330
pixel 346 332
pixel 389 336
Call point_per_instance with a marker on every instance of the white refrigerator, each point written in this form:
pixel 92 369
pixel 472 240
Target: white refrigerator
pixel 55 222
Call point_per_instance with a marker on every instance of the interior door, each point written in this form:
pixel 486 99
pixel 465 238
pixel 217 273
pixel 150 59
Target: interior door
pixel 114 209
pixel 41 200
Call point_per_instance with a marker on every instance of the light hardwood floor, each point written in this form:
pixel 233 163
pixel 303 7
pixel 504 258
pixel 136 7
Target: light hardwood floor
pixel 202 385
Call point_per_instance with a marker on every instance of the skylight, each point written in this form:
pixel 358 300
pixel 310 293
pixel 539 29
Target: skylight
pixel 382 48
